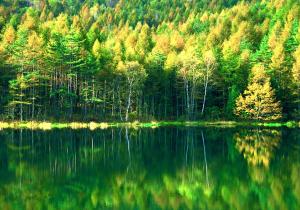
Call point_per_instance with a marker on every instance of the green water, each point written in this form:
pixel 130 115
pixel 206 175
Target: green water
pixel 162 168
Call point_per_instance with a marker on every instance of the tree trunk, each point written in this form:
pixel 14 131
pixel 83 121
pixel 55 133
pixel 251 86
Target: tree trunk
pixel 21 106
pixel 205 92
pixel 120 102
pixel 104 99
pixel 128 101
pixel 33 105
pixel 165 100
pixel 186 84
pixel 113 101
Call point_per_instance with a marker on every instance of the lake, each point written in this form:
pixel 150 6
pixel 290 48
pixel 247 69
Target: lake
pixel 161 168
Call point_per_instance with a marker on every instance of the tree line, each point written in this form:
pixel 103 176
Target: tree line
pixel 149 60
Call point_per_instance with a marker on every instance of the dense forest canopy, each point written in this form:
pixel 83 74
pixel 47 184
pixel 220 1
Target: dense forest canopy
pixel 149 59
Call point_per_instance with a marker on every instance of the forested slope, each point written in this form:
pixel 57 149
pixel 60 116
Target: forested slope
pixel 149 59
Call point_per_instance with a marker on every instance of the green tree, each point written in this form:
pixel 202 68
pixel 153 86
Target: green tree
pixel 19 98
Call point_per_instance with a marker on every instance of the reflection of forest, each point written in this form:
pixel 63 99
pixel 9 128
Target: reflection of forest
pixel 164 168
pixel 257 145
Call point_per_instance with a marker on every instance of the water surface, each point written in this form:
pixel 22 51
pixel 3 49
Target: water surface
pixel 162 168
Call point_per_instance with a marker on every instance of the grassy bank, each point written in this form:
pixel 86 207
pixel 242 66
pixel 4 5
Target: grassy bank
pixel 36 125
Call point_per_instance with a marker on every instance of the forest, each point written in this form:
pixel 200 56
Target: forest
pixel 118 60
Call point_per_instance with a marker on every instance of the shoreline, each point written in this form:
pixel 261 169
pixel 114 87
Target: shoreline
pixel 46 125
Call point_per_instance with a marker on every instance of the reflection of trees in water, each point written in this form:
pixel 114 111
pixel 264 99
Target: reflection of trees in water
pixel 117 168
pixel 257 145
pixel 275 184
pixel 168 169
pixel 295 180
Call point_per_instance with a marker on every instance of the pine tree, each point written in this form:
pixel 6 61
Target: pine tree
pixel 258 101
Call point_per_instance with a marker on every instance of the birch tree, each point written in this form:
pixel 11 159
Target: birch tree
pixel 209 61
pixel 135 75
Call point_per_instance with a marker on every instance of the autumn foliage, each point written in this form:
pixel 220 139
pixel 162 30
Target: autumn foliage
pixel 258 101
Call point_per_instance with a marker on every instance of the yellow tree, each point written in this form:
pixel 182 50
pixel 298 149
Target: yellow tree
pixel 8 38
pixel 29 21
pixel 258 101
pixel 9 35
pixel 177 41
pixel 143 44
pixel 96 48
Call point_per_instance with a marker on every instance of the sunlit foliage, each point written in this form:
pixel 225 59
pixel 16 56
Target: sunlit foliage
pixel 194 58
